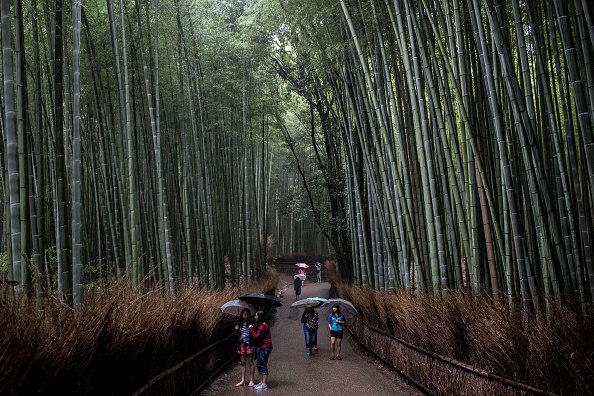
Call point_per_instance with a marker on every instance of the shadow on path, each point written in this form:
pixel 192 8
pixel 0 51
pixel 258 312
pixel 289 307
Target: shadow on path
pixel 293 372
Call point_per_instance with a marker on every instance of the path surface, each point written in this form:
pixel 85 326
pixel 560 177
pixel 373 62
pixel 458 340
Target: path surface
pixel 292 372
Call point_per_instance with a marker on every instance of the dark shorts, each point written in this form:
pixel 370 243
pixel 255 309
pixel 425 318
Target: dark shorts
pixel 336 334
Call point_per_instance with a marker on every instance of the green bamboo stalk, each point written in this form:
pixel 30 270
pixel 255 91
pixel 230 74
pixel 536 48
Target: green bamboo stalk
pixel 76 184
pixel 38 214
pixel 23 132
pixel 11 148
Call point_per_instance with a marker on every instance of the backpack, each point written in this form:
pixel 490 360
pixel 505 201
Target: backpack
pixel 311 323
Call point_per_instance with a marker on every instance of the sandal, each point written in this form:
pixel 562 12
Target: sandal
pixel 332 358
pixel 338 358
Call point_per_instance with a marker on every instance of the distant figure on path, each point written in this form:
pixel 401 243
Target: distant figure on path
pixel 319 271
pixel 261 338
pixel 297 287
pixel 310 329
pixel 244 349
pixel 336 320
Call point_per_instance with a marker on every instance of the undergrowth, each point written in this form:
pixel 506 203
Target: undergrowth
pixel 555 353
pixel 113 345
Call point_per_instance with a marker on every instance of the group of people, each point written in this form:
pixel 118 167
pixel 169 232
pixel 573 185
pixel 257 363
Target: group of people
pixel 254 341
pixel 336 321
pixel 299 279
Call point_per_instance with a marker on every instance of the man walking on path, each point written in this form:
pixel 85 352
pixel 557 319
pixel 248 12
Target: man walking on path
pixel 319 271
pixel 297 374
pixel 297 287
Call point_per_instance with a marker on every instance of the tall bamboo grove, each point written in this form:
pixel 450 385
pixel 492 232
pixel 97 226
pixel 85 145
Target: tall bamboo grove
pixel 466 133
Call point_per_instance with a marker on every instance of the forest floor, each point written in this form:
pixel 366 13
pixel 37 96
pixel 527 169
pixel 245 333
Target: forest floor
pixel 293 372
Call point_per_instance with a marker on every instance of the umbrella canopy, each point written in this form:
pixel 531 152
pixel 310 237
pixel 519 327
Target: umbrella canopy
pixel 302 265
pixel 261 300
pixel 309 302
pixel 346 307
pixel 300 276
pixel 234 307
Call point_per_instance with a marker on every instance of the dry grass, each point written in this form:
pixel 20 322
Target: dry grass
pixel 556 354
pixel 118 340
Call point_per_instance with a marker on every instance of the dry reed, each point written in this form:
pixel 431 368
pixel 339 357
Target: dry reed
pixel 119 339
pixel 555 354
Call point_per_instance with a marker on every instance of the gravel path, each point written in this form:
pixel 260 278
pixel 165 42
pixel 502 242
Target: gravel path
pixel 292 372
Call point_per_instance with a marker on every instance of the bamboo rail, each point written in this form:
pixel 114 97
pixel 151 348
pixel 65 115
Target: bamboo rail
pixel 425 388
pixel 168 379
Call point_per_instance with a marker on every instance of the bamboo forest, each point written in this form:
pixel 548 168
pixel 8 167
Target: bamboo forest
pixel 162 157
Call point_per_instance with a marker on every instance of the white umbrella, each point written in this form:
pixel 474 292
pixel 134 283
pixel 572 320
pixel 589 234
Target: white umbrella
pixel 234 307
pixel 346 307
pixel 302 265
pixel 309 302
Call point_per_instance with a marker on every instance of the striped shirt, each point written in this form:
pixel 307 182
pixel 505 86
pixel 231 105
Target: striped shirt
pixel 245 333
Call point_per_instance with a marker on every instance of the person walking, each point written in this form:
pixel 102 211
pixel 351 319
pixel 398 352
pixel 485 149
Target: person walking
pixel 319 271
pixel 261 337
pixel 303 276
pixel 310 329
pixel 297 287
pixel 336 320
pixel 244 349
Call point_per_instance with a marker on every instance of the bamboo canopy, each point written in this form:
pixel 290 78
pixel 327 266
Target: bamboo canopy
pixel 428 147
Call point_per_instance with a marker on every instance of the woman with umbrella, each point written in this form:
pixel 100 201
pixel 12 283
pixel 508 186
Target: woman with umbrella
pixel 336 320
pixel 302 275
pixel 337 310
pixel 244 348
pixel 260 334
pixel 310 328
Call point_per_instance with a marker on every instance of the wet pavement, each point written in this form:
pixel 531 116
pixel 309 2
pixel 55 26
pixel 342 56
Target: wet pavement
pixel 293 372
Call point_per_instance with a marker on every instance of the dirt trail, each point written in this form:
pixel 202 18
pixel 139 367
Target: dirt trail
pixel 292 372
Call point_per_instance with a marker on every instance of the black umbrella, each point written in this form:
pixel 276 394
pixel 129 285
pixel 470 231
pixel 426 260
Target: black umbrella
pixel 261 300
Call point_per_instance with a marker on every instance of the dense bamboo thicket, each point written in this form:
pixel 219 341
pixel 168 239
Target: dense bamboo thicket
pixel 137 143
pixel 463 136
pixel 436 146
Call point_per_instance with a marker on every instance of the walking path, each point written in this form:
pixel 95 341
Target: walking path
pixel 292 372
